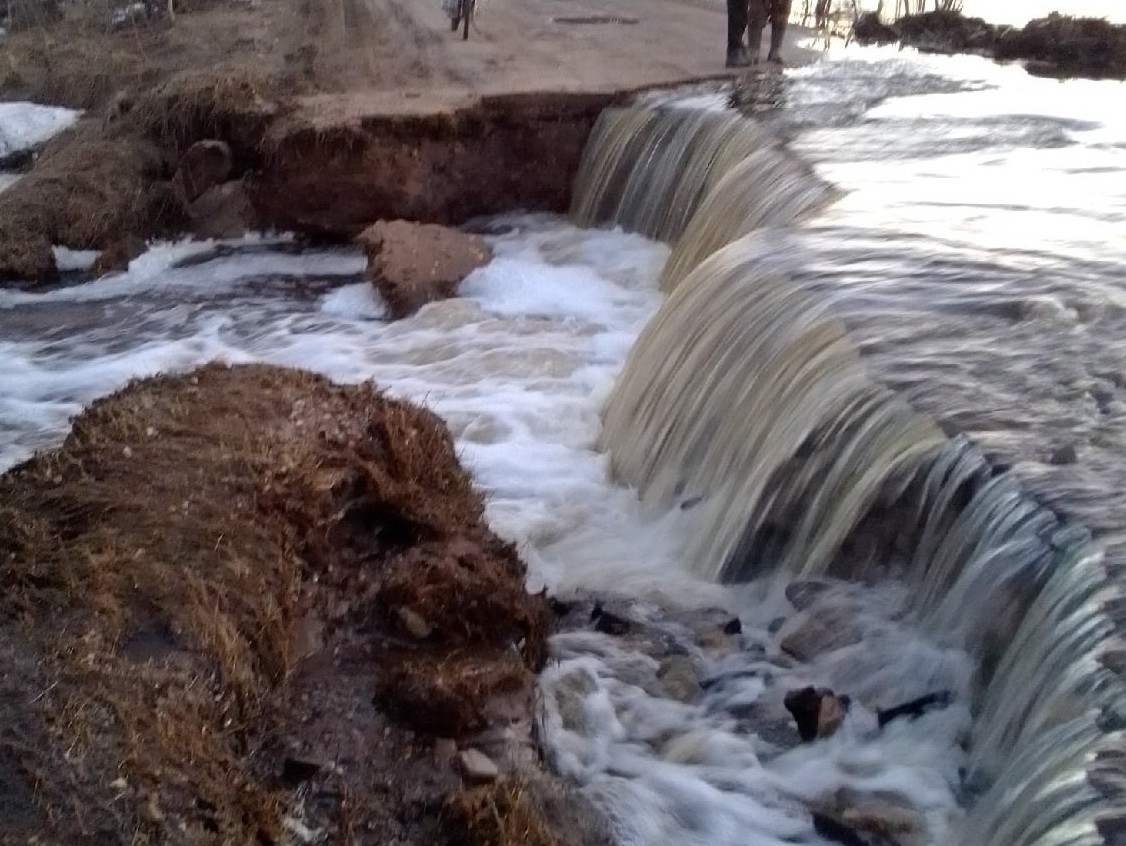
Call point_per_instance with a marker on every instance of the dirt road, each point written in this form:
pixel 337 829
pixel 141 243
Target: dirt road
pixel 385 51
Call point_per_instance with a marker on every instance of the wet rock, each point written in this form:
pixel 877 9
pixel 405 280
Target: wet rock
pixel 824 627
pixel 804 593
pixel 476 767
pixel 223 211
pixel 204 165
pixel 886 822
pixel 1066 454
pixel 680 678
pixel 570 697
pixel 915 707
pixel 116 257
pixel 412 264
pixel 818 712
pixel 609 623
pixel 733 626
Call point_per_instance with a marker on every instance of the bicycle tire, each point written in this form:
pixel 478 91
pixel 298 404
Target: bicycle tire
pixel 468 13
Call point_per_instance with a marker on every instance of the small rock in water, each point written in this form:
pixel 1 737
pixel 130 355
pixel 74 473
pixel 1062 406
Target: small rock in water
pixel 825 626
pixel 680 677
pixel 608 623
pixel 885 822
pixel 477 767
pixel 818 712
pixel 733 627
pixel 1066 454
pixel 805 593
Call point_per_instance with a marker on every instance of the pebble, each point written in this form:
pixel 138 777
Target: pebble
pixel 477 767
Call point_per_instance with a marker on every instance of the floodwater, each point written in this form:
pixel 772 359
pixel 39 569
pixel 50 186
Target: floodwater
pixel 976 256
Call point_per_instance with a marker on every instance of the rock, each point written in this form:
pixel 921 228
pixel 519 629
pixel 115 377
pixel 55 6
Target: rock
pixel 823 627
pixel 733 626
pixel 680 677
pixel 413 624
pixel 412 264
pixel 1066 454
pixel 915 708
pixel 116 257
pixel 476 767
pixel 831 714
pixel 818 712
pixel 804 593
pixel 608 623
pixel 886 822
pixel 205 165
pixel 223 211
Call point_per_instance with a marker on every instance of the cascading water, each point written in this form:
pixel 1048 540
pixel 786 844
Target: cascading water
pixel 745 404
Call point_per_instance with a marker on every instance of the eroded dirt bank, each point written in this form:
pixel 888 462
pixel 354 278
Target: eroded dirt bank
pixel 331 174
pixel 248 605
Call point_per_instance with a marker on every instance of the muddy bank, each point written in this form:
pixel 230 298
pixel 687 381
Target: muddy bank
pixel 334 176
pixel 290 166
pixel 1057 45
pixel 248 605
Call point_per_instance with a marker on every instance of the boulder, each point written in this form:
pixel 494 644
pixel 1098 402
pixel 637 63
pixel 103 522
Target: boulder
pixel 825 626
pixel 205 165
pixel 223 211
pixel 680 677
pixel 412 264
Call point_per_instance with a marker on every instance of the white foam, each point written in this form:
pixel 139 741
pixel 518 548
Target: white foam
pixel 24 126
pixel 71 261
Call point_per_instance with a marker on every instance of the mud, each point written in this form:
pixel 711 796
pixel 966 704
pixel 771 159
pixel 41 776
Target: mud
pixel 203 626
pixel 504 153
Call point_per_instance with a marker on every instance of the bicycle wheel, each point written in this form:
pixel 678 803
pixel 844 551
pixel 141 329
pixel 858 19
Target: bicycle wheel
pixel 467 13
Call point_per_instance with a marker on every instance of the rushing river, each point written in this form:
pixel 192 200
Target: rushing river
pixel 975 255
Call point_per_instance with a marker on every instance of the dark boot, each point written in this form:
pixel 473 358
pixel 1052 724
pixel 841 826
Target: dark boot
pixel 736 23
pixel 777 36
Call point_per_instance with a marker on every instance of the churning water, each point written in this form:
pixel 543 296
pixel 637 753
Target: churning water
pixel 765 406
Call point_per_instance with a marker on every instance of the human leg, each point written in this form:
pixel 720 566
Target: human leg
pixel 736 24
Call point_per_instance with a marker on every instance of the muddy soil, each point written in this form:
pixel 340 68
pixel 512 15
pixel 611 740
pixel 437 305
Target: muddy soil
pixel 248 605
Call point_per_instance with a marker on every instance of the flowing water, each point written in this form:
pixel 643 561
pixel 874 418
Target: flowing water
pixel 756 422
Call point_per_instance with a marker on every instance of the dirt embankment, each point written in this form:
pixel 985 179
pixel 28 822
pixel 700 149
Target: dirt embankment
pixel 1057 45
pixel 248 605
pixel 337 113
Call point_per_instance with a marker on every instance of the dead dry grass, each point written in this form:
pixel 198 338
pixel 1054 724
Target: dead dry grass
pixel 502 814
pixel 156 565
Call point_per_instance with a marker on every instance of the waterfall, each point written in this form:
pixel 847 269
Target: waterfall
pixel 745 403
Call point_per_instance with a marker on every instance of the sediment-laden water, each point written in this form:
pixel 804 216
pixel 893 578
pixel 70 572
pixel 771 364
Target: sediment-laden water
pixel 946 258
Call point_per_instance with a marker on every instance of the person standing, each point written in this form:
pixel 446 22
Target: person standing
pixel 752 16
